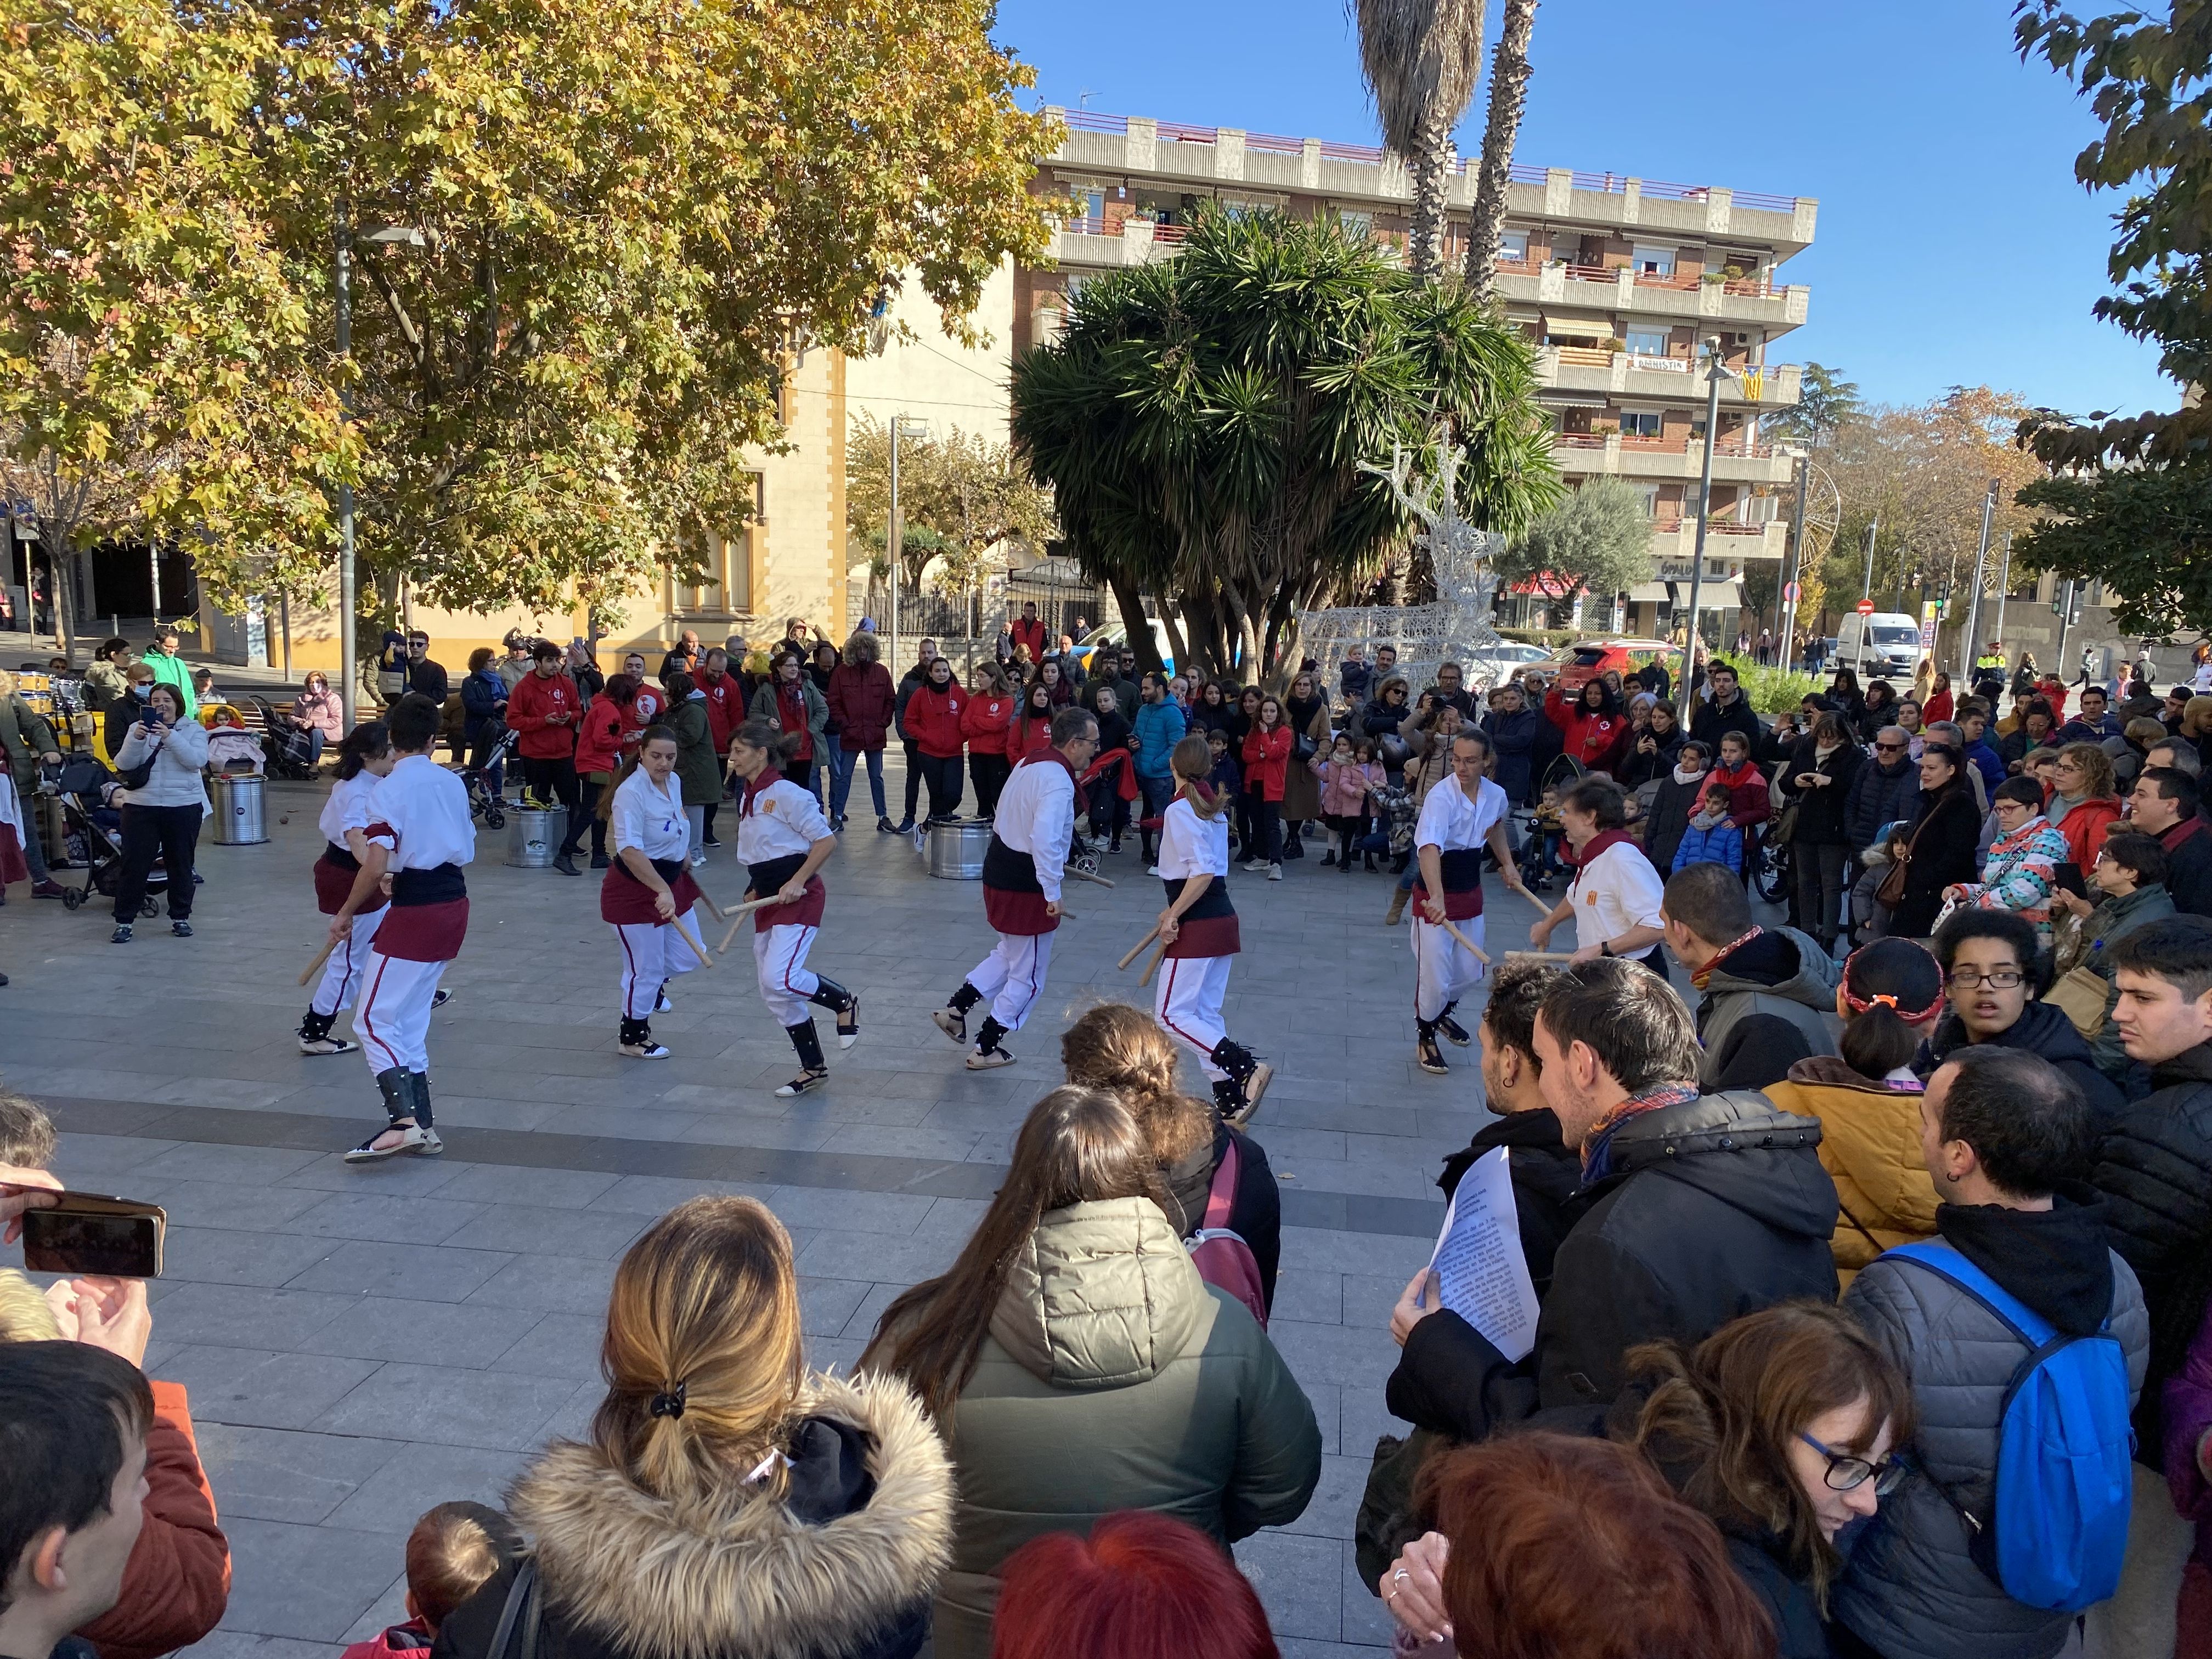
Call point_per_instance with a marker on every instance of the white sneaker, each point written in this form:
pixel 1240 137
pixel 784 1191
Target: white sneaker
pixel 699 859
pixel 1154 870
pixel 1252 867
pixel 1274 873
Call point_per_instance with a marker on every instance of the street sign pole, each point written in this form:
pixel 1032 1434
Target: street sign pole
pixel 1967 650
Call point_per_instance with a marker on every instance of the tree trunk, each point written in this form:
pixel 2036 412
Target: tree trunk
pixel 1131 600
pixel 1509 90
pixel 1431 165
pixel 61 584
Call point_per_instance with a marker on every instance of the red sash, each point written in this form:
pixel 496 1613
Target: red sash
pixel 807 913
pixel 423 932
pixel 1017 913
pixel 626 902
pixel 1206 936
pixel 333 881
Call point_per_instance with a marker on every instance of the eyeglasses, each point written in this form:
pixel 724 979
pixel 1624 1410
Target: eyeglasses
pixel 1890 747
pixel 1848 1474
pixel 2002 979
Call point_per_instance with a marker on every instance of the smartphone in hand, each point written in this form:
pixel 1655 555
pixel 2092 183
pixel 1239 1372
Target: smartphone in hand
pixel 87 1233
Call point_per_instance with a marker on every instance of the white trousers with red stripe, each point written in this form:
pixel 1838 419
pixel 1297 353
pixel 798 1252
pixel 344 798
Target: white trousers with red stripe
pixel 652 954
pixel 1012 978
pixel 785 982
pixel 1189 1005
pixel 1444 970
pixel 393 1023
pixel 342 973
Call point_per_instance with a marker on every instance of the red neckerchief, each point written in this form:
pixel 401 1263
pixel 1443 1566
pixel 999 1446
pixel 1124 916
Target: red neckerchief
pixel 753 790
pixel 1599 842
pixel 1705 973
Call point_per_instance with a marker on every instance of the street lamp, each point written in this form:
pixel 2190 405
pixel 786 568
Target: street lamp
pixel 342 273
pixel 895 532
pixel 1715 370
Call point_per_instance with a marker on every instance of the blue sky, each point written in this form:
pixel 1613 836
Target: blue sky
pixel 1953 246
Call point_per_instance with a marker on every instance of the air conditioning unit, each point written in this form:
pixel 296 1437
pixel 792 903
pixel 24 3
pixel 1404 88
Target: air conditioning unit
pixel 1743 339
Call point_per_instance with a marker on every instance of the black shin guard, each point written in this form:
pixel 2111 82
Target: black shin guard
pixel 808 1042
pixel 418 1092
pixel 637 1033
pixel 315 1027
pixel 398 1100
pixel 1234 1059
pixel 988 1034
pixel 828 994
pixel 964 999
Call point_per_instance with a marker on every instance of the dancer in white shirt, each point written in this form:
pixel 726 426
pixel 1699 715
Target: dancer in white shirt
pixel 1461 817
pixel 365 760
pixel 419 837
pixel 648 893
pixel 1615 897
pixel 783 841
pixel 1029 837
pixel 1199 931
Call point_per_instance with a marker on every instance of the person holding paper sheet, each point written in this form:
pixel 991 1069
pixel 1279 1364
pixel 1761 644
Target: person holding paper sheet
pixel 1462 816
pixel 1613 896
pixel 783 841
pixel 647 892
pixel 1691 1211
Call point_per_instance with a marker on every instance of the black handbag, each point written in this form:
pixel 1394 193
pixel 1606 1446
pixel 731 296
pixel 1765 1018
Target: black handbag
pixel 519 1616
pixel 1387 1521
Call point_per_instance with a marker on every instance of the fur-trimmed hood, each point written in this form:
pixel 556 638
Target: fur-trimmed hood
pixel 740 1573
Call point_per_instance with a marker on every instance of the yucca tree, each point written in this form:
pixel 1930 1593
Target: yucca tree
pixel 1422 60
pixel 1202 422
pixel 1509 91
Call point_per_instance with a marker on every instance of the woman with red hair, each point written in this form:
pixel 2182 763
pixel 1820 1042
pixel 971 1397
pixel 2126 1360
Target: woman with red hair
pixel 1142 1586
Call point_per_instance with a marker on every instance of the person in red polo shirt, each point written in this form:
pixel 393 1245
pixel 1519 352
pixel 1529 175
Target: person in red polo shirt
pixel 726 713
pixel 543 709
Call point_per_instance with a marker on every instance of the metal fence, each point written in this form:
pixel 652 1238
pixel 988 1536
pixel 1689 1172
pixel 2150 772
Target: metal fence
pixel 1064 608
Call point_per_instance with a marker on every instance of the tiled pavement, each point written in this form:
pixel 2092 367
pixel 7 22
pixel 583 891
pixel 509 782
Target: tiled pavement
pixel 360 1343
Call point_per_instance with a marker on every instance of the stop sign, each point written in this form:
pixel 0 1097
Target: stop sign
pixel 1865 607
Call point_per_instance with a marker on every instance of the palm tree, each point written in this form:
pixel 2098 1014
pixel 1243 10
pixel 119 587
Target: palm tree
pixel 1202 422
pixel 1422 60
pixel 1509 90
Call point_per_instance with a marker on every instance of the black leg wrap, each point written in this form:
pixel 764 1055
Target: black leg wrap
pixel 398 1100
pixel 988 1034
pixel 315 1027
pixel 1228 1096
pixel 1234 1059
pixel 964 999
pixel 833 996
pixel 418 1092
pixel 808 1042
pixel 636 1032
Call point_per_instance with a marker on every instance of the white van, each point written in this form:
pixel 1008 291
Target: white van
pixel 1886 645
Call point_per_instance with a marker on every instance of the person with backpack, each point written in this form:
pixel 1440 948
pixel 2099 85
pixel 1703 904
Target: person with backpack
pixel 2018 1320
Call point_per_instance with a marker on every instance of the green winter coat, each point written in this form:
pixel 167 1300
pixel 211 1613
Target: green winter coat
pixel 24 735
pixel 1114 1378
pixel 176 671
pixel 698 768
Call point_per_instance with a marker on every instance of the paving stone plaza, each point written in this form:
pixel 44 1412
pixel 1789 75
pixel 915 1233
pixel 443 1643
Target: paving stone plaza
pixel 361 1343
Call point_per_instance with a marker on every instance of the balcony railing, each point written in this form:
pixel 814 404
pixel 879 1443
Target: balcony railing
pixel 1083 225
pixel 1588 356
pixel 1740 449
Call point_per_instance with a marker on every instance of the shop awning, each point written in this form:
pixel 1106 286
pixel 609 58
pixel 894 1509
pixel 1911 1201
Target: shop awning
pixel 1713 594
pixel 1577 328
pixel 1650 593
pixel 1555 399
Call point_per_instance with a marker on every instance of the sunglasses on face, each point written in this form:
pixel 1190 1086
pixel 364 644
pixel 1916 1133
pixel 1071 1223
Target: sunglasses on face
pixel 1889 748
pixel 1847 1472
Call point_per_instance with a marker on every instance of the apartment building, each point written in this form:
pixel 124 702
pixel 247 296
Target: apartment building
pixel 1617 280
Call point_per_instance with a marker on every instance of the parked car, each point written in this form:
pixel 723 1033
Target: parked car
pixel 1588 659
pixel 1116 635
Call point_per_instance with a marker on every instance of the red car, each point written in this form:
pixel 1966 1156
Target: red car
pixel 1584 662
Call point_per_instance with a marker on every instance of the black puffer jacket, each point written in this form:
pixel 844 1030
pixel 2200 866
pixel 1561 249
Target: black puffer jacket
pixel 1911 1587
pixel 1881 795
pixel 1944 847
pixel 1672 808
pixel 1822 813
pixel 1545 1177
pixel 1712 1209
pixel 2154 1171
pixel 2042 1028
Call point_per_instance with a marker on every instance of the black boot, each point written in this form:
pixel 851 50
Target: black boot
pixel 952 1018
pixel 1328 859
pixel 986 1052
pixel 845 1004
pixel 812 1071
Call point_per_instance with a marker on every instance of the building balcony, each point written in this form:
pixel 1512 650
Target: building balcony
pixel 1750 300
pixel 1127 144
pixel 1674 542
pixel 1130 242
pixel 1736 460
pixel 1671 380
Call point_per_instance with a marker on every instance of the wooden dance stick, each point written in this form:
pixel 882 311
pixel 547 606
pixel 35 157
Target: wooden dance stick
pixel 1085 875
pixel 706 959
pixel 1152 967
pixel 741 913
pixel 1135 951
pixel 720 915
pixel 1468 942
pixel 331 944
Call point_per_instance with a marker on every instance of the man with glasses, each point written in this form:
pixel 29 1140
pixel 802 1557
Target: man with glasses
pixel 1993 972
pixel 2000 1134
pixel 1885 790
pixel 1451 687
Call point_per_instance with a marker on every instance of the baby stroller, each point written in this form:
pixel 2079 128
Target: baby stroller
pixel 284 744
pixel 483 803
pixel 84 786
pixel 1392 833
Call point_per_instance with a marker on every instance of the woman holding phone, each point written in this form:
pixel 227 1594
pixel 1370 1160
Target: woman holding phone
pixel 161 809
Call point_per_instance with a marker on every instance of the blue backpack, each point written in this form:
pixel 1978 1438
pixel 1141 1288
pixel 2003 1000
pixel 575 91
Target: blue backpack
pixel 2056 1527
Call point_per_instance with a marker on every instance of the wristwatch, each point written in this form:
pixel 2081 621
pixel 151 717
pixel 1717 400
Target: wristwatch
pixel 1605 947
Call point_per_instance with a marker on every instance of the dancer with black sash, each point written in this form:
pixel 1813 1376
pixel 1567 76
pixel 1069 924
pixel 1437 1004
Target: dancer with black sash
pixel 783 841
pixel 1198 933
pixel 648 893
pixel 1022 870
pixel 1462 816
pixel 419 837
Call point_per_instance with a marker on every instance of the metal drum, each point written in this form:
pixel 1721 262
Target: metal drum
pixel 957 849
pixel 241 817
pixel 531 840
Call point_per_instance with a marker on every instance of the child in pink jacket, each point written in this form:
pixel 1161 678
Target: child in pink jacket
pixel 1349 776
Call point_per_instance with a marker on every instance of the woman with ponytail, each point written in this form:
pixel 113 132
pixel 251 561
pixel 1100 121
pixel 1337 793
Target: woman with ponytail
pixel 1868 1100
pixel 726 1499
pixel 1198 932
pixel 649 892
pixel 363 758
pixel 783 840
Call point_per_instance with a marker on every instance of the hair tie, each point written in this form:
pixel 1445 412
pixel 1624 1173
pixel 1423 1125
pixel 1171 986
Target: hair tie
pixel 669 1405
pixel 1884 998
